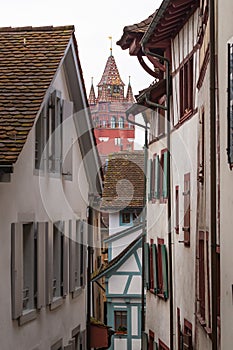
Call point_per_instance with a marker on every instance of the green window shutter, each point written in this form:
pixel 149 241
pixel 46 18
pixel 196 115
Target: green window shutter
pixel 157 177
pixel 165 270
pixel 165 160
pixel 155 346
pixel 145 341
pixel 155 269
pixel 149 190
pixel 147 265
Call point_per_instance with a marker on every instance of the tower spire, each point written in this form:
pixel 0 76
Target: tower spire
pixel 110 38
pixel 92 98
pixel 129 94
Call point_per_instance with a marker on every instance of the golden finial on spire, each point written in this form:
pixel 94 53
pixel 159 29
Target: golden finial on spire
pixel 110 38
pixel 129 79
pixel 92 80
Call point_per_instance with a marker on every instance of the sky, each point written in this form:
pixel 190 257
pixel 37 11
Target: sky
pixel 94 22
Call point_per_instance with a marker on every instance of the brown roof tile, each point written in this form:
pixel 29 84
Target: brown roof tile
pixel 124 181
pixel 29 58
pixel 132 31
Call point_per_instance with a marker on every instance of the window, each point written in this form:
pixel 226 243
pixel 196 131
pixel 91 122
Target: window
pixel 121 122
pixel 56 264
pixel 156 268
pixel 230 106
pixel 201 147
pixel 202 275
pixel 125 217
pixel 54 132
pixel 186 194
pixel 177 219
pixel 57 345
pixel 77 257
pixel 186 87
pixel 48 134
pixel 117 141
pixel 29 267
pixel 151 340
pixel 187 336
pixel 113 122
pixel 163 175
pixel 120 319
pixel 179 333
pixel 40 140
pixel 161 122
pixel 27 245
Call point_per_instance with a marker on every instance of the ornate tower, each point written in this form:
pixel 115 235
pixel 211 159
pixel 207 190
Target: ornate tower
pixel 112 130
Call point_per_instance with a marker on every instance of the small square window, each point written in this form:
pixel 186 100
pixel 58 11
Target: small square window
pixel 120 318
pixel 125 218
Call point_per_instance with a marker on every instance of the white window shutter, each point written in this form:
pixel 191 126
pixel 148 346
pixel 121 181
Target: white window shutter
pixel 49 264
pixel 65 261
pixel 71 259
pixel 42 228
pixel 17 269
pixel 83 337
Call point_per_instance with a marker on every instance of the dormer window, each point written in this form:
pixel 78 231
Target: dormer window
pixel 116 89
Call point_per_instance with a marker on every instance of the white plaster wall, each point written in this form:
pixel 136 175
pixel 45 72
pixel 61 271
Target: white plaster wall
pixel 114 223
pixel 135 285
pixel 120 244
pixel 120 344
pixel 116 284
pixel 45 198
pixel 225 33
pixel 136 344
pixel 129 265
pixel 134 321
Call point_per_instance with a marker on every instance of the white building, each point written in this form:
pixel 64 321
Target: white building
pixel 49 171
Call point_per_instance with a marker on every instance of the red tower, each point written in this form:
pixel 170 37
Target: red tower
pixel 112 131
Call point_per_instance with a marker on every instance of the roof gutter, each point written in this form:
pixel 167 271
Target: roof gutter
pixel 158 15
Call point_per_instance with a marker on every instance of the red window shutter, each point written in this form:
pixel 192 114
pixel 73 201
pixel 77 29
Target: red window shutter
pixel 202 274
pixel 186 193
pixel 177 209
pixel 151 268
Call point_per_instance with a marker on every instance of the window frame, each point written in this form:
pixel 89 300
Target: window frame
pixel 187 210
pixel 122 325
pixel 186 87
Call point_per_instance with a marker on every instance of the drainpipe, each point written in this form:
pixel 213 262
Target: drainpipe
pixel 213 222
pixel 144 222
pixel 89 270
pixel 152 104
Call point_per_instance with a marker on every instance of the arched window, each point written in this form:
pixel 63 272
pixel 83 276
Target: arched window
pixel 113 122
pixel 121 122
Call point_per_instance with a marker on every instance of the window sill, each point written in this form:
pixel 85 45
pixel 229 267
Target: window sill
pixel 77 292
pixel 57 302
pixel 201 320
pixel 27 316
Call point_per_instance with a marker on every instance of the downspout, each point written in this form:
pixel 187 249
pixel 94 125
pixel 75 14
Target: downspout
pixel 144 223
pixel 89 271
pixel 213 220
pixel 167 108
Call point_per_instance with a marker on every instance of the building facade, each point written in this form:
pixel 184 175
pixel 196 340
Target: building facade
pixel 46 183
pixel 182 252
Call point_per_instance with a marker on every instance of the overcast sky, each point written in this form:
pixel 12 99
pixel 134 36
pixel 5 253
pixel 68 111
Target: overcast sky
pixel 94 22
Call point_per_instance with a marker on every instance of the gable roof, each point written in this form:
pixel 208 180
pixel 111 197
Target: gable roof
pixel 117 261
pixel 29 58
pixel 124 181
pixel 131 32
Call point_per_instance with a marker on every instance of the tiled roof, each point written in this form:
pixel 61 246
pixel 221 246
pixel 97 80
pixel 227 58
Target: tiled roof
pixel 132 31
pixel 111 74
pixel 124 181
pixel 29 58
pixel 104 269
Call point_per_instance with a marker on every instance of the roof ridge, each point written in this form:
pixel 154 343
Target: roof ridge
pixel 36 29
